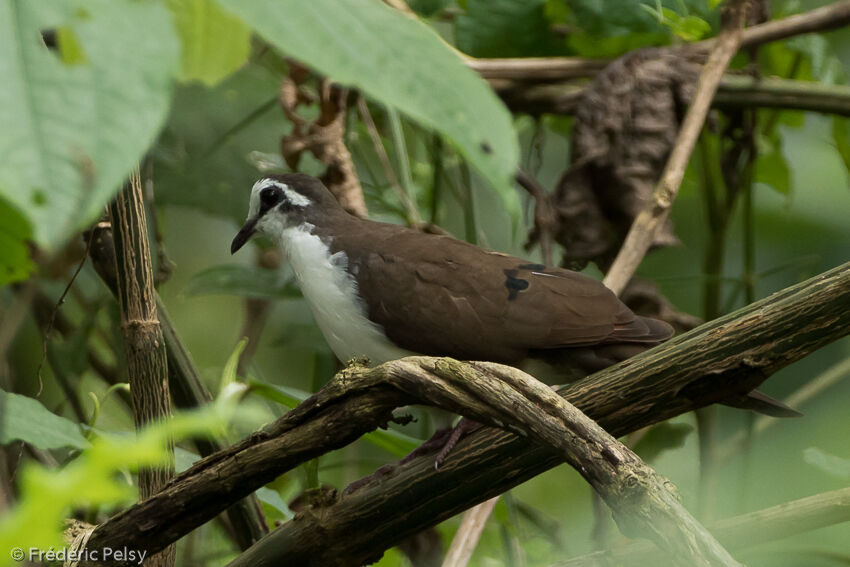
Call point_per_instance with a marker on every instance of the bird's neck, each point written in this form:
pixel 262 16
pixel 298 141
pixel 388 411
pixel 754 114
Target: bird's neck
pixel 331 291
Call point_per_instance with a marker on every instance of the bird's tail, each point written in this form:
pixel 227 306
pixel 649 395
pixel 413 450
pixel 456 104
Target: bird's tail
pixel 761 403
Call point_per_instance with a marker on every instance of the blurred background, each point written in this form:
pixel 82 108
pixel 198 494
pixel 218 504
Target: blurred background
pixel 784 218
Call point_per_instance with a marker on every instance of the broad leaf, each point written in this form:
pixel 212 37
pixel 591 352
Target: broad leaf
pixel 399 61
pixel 25 419
pixel 506 28
pixel 245 281
pixel 214 43
pixel 771 166
pixel 15 262
pixel 272 498
pixel 841 137
pixel 73 130
pixel 202 157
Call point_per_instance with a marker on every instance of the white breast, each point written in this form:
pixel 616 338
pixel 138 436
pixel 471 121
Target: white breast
pixel 331 293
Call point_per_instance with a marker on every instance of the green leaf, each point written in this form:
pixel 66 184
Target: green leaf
pixel 831 464
pixel 284 395
pixel 841 137
pixel 15 262
pixel 214 43
pixel 506 28
pixel 661 437
pixel 588 45
pixel 272 498
pixel 228 374
pixel 826 67
pixel 399 61
pixel 184 459
pixel 72 132
pixel 202 157
pixel 25 419
pixel 771 166
pixel 428 7
pixel 687 27
pixel 244 281
pixel 605 18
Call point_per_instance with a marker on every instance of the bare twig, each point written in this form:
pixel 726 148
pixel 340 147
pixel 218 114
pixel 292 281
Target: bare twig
pixel 324 137
pixel 734 91
pixel 408 204
pixel 830 17
pixel 655 213
pixel 468 534
pixel 42 308
pixel 737 91
pixel 547 69
pixel 59 302
pixel 537 68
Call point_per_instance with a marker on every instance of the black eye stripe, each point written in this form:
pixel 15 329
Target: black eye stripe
pixel 269 197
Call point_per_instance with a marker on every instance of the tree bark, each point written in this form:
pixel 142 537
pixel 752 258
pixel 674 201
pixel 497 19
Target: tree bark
pixel 188 392
pixel 719 360
pixel 145 348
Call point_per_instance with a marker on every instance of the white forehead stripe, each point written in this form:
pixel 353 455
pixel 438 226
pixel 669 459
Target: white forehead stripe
pixel 292 196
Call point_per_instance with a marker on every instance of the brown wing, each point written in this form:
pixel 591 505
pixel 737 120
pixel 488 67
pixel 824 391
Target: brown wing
pixel 439 296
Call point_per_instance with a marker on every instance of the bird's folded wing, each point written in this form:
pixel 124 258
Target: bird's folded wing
pixel 437 295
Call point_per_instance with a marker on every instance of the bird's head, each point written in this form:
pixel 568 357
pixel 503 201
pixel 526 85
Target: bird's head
pixel 282 201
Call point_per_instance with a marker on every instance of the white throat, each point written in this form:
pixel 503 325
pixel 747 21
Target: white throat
pixel 332 295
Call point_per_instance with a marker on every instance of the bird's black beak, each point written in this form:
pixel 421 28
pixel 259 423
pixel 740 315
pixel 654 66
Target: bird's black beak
pixel 245 234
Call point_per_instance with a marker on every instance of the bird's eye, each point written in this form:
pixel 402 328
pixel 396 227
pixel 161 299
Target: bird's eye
pixel 269 197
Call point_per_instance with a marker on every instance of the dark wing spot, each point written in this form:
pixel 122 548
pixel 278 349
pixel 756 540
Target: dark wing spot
pixel 532 267
pixel 514 284
pixel 486 148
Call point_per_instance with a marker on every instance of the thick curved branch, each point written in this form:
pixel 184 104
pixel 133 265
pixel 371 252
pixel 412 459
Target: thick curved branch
pixel 719 360
pixel 735 352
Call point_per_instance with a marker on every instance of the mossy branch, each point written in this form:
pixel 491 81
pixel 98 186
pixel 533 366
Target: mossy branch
pixel 719 360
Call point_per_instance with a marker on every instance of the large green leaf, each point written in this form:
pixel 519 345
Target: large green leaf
pixel 506 28
pixel 771 166
pixel 201 158
pixel 75 122
pixel 841 137
pixel 397 60
pixel 15 262
pixel 25 419
pixel 214 43
pixel 245 281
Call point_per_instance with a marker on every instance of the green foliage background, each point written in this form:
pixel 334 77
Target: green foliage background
pixel 193 84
